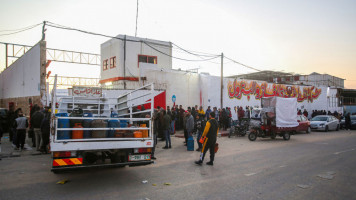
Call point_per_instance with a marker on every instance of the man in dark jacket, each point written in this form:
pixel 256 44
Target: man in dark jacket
pixel 165 126
pixel 36 121
pixel 45 131
pixel 210 132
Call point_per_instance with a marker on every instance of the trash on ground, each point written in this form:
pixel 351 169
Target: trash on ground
pixel 303 186
pixel 326 176
pixel 154 184
pixel 145 181
pixel 167 183
pixel 64 181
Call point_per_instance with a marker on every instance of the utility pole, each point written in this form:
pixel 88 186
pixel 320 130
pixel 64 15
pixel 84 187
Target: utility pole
pixel 222 81
pixel 44 30
pixel 136 19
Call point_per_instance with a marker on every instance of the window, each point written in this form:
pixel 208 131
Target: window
pixel 105 64
pixel 147 59
pixel 113 62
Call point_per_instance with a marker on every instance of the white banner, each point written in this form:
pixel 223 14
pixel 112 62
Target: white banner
pixel 87 91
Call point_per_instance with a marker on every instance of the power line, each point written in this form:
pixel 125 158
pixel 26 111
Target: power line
pixel 26 29
pixel 212 56
pixel 13 30
pixel 177 57
pixel 99 34
pixel 242 64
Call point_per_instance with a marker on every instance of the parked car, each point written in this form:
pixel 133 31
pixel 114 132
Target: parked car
pixel 353 122
pixel 3 119
pixel 324 123
pixel 304 124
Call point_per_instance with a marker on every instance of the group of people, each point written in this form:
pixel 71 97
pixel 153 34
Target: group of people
pixel 39 128
pixel 193 120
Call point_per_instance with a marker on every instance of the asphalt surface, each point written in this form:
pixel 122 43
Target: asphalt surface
pixel 309 166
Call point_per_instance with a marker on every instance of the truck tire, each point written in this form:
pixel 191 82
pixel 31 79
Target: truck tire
pixel 252 136
pixel 286 136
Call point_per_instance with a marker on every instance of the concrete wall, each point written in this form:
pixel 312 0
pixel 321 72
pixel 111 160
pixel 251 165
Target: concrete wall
pixel 115 47
pixel 22 78
pixel 200 89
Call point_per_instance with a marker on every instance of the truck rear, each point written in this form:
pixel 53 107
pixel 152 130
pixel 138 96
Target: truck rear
pixel 102 132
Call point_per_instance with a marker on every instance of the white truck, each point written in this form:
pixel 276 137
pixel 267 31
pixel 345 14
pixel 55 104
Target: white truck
pixel 111 132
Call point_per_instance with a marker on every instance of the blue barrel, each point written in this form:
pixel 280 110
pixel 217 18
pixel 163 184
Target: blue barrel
pixel 86 124
pixel 124 123
pixel 63 123
pixel 190 144
pixel 114 123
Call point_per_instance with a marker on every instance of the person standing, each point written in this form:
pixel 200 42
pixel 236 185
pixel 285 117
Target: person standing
pixel 11 120
pixel 36 121
pixel 200 128
pixel 21 123
pixel 210 132
pixel 165 128
pixel 173 118
pixel 207 112
pixel 45 131
pixel 201 111
pixel 189 125
pixel 348 121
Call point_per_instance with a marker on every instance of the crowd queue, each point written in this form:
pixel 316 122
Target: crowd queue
pixel 38 128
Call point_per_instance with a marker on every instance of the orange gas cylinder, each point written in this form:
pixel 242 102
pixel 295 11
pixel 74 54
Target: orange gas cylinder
pixel 137 134
pixel 77 134
pixel 144 132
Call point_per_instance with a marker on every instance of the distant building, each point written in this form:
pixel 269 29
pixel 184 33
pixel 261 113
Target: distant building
pixel 314 78
pixel 122 59
pixel 317 79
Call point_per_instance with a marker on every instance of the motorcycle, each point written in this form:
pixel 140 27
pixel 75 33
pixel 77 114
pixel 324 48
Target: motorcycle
pixel 239 129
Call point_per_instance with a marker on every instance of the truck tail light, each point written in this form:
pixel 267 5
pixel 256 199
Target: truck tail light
pixel 64 154
pixel 142 150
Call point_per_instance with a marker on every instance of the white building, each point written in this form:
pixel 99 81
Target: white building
pixel 123 57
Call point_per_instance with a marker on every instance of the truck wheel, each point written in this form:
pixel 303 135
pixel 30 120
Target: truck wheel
pixel 308 130
pixel 286 136
pixel 252 136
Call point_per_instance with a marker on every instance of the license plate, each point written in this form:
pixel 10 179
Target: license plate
pixel 139 157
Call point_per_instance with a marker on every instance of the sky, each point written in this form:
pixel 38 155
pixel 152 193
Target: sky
pixel 299 36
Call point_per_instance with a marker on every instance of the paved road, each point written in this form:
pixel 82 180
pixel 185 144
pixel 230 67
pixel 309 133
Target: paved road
pixel 309 166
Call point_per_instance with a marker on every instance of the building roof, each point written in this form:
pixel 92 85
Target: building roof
pixel 266 75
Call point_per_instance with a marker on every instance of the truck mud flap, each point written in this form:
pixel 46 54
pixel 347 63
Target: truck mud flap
pixel 72 168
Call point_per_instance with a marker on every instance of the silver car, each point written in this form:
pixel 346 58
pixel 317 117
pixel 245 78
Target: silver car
pixel 324 123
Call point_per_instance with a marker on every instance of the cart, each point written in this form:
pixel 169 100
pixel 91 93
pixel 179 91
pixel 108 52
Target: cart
pixel 278 118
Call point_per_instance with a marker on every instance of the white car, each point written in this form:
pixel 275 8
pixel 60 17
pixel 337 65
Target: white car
pixel 324 123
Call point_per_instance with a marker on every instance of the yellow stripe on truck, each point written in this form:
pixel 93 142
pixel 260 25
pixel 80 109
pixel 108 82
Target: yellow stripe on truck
pixel 76 161
pixel 60 162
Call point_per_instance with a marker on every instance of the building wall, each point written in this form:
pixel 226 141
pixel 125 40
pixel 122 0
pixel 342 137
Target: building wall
pixel 115 47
